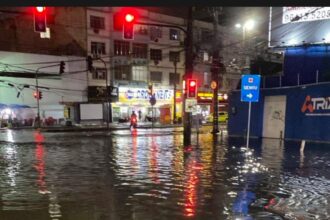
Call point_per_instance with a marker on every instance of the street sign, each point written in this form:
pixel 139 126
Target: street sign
pixel 250 88
pixel 213 84
pixel 191 105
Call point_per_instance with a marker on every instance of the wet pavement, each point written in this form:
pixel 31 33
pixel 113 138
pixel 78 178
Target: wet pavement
pixel 148 174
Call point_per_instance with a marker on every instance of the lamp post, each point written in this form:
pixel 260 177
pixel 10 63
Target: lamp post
pixel 247 26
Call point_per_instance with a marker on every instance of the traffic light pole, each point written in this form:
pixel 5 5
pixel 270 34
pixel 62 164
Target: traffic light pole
pixel 215 71
pixel 188 75
pixel 37 90
pixel 38 104
pixel 174 93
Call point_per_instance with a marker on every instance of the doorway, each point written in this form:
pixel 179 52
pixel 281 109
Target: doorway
pixel 274 117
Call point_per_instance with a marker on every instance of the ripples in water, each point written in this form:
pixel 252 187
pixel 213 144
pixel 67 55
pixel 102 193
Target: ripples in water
pixel 148 174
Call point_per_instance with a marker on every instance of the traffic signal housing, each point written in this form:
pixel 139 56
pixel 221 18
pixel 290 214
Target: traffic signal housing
pixel 62 67
pixel 128 29
pixel 192 88
pixel 40 23
pixel 37 95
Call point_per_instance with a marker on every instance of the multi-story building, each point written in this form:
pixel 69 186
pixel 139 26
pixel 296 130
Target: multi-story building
pixel 154 57
pixel 28 57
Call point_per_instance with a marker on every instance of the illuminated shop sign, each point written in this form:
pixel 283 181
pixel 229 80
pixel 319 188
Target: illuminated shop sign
pixel 142 94
pixel 209 95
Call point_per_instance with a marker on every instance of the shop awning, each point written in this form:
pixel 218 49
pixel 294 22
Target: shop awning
pixel 13 106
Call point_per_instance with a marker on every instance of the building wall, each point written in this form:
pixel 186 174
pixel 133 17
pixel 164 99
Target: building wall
pixel 299 124
pixel 67 29
pixel 69 87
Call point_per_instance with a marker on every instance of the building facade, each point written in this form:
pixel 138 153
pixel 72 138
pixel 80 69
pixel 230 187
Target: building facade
pixel 154 57
pixel 29 58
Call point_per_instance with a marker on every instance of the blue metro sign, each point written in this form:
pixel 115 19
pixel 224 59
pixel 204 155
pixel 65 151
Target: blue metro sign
pixel 250 88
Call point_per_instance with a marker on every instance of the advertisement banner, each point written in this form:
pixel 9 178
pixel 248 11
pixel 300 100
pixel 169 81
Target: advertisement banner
pixel 292 26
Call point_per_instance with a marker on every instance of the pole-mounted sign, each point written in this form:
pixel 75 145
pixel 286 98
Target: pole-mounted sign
pixel 250 93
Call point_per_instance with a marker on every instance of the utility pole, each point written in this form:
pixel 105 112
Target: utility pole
pixel 174 91
pixel 107 90
pixel 215 69
pixel 188 75
pixel 37 91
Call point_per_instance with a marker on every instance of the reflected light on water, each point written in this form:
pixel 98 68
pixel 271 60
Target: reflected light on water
pixel 10 137
pixel 190 192
pixel 153 161
pixel 13 164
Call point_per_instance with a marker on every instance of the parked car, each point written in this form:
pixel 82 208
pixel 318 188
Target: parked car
pixel 222 117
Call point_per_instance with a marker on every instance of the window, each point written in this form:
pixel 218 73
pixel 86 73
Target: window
pixel 139 73
pixel 156 77
pixel 97 48
pixel 174 56
pixel 122 72
pixel 99 73
pixel 121 48
pixel 155 33
pixel 155 54
pixel 96 22
pixel 141 30
pixel 174 34
pixel 140 51
pixel 174 78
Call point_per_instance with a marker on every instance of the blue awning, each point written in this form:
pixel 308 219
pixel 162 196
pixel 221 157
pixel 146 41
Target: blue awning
pixel 13 106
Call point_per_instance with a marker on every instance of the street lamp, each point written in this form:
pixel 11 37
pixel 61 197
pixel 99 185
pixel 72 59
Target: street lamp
pixel 247 26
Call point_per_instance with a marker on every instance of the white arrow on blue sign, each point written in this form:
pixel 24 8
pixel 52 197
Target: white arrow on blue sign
pixel 250 88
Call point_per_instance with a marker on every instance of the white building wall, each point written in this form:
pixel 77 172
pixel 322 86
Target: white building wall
pixel 69 87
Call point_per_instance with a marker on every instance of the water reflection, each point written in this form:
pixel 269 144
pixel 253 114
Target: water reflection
pixel 54 209
pixel 148 174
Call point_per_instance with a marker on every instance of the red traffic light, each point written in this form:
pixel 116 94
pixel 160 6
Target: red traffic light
pixel 192 88
pixel 192 83
pixel 129 18
pixel 40 23
pixel 40 9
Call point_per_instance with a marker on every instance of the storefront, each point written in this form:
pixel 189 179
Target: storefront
pixel 205 103
pixel 137 100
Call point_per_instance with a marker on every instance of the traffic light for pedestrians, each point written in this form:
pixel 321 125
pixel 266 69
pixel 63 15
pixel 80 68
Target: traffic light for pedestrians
pixel 192 88
pixel 40 23
pixel 128 30
pixel 62 67
pixel 90 64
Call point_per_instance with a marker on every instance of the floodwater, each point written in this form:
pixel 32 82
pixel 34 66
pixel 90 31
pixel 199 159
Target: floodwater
pixel 148 174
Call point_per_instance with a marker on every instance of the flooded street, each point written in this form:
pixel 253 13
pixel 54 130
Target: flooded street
pixel 148 174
